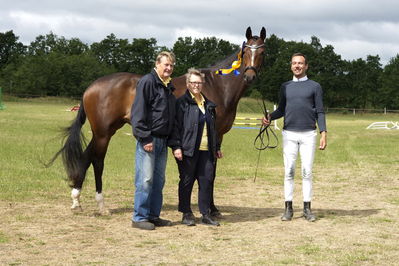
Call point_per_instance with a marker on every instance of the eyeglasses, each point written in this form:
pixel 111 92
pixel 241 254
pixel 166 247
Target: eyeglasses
pixel 196 83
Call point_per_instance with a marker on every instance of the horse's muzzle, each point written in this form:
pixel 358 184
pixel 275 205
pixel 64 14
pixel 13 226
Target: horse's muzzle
pixel 250 74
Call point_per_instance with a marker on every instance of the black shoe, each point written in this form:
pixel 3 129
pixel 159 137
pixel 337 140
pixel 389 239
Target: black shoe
pixel 307 213
pixel 215 214
pixel 288 213
pixel 188 219
pixel 143 225
pixel 160 222
pixel 207 219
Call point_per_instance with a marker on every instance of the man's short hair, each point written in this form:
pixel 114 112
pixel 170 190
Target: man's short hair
pixel 193 71
pixel 169 55
pixel 300 54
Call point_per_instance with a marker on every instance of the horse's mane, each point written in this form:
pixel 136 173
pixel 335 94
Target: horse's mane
pixel 224 63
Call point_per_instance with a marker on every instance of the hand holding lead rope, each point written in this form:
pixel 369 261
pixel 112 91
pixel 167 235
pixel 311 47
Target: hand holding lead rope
pixel 264 130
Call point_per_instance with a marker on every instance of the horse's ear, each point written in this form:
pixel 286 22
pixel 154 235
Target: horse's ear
pixel 263 33
pixel 248 34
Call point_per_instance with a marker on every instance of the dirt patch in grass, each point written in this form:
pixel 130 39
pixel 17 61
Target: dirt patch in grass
pixel 357 210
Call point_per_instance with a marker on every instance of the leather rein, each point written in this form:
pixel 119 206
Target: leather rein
pixel 261 143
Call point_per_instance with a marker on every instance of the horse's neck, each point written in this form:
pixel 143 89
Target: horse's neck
pixel 231 90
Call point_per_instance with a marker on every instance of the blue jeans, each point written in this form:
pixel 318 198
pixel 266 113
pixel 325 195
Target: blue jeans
pixel 149 180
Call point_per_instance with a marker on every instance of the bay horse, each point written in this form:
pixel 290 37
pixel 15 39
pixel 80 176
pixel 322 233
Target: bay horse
pixel 107 104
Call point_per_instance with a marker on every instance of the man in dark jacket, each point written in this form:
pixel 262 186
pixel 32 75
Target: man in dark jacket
pixel 152 118
pixel 195 147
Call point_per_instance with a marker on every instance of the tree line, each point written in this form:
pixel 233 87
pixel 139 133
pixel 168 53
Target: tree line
pixel 55 66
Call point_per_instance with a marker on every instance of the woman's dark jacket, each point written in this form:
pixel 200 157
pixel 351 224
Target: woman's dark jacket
pixel 185 134
pixel 153 110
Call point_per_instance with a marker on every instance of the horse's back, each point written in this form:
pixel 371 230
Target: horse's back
pixel 108 100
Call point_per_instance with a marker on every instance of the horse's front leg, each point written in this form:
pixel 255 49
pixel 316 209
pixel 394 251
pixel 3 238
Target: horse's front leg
pixel 100 203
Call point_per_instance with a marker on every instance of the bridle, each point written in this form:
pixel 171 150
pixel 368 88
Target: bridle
pixel 253 50
pixel 236 64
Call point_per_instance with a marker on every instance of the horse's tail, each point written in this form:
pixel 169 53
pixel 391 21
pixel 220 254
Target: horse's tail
pixel 72 150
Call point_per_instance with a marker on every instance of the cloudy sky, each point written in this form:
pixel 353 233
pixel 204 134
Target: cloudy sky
pixel 356 28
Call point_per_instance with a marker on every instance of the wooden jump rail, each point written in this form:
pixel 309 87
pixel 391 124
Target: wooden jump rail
pixel 239 119
pixel 246 123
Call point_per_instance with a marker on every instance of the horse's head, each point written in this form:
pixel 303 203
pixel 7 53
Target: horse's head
pixel 253 51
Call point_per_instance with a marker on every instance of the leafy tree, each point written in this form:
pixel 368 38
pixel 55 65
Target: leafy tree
pixel 388 96
pixel 325 66
pixel 329 71
pixel 200 53
pixel 274 70
pixel 10 48
pixel 364 76
pixel 53 65
pixel 183 50
pixel 137 57
pixel 111 51
pixel 11 53
pixel 274 74
pixel 142 53
pixel 57 75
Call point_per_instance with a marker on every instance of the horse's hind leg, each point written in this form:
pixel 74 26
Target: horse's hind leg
pixel 78 182
pixel 100 149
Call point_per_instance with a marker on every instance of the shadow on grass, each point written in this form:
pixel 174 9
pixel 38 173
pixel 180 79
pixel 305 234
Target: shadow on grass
pixel 331 213
pixel 235 214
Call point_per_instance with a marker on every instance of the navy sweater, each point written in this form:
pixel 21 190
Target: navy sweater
pixel 301 104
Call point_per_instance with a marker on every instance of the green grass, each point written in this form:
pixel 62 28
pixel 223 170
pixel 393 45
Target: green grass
pixel 355 180
pixel 30 134
pixel 253 106
pixel 3 238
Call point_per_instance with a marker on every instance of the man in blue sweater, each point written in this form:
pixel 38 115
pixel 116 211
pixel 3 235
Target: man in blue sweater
pixel 301 104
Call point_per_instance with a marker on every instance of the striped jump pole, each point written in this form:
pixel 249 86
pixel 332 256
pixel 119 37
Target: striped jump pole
pixel 239 119
pixel 238 122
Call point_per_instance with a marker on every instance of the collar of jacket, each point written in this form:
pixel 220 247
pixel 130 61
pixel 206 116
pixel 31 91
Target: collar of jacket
pixel 159 81
pixel 190 99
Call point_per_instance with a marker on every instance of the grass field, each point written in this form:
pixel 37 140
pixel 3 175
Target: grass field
pixel 356 199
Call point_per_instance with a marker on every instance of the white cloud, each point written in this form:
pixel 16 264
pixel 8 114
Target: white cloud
pixel 355 28
pixel 67 25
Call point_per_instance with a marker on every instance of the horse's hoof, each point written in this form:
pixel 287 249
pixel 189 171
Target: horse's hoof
pixel 104 212
pixel 77 209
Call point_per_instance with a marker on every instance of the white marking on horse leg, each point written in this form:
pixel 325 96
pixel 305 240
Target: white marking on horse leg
pixel 75 195
pixel 100 202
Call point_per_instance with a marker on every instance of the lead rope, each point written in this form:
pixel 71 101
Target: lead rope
pixel 263 130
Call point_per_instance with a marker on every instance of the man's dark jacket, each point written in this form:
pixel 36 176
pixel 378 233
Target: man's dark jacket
pixel 186 131
pixel 153 109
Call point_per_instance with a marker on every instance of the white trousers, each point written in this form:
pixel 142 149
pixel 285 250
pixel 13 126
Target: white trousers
pixel 305 144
